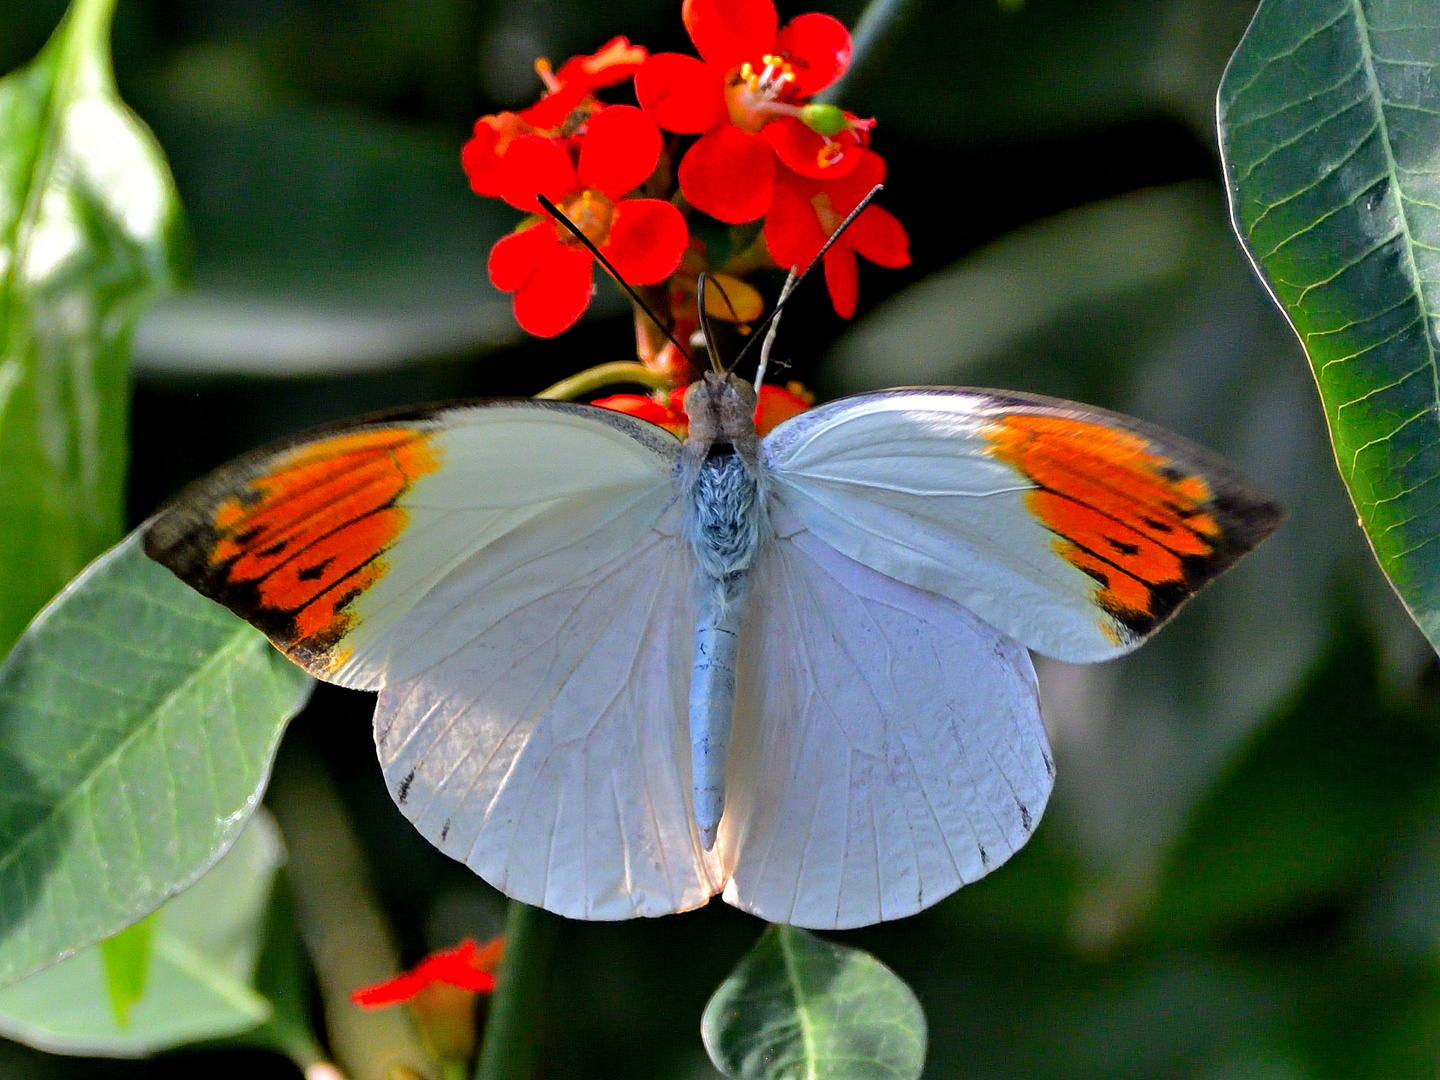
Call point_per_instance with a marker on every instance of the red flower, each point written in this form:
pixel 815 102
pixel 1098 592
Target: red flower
pixel 659 409
pixel 743 100
pixel 776 405
pixel 547 269
pixel 569 101
pixel 806 212
pixel 466 966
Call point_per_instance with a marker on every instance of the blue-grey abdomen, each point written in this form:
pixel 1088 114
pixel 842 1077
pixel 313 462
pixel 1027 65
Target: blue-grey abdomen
pixel 724 524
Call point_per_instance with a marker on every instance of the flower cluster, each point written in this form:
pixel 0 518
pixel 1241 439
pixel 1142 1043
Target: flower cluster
pixel 731 133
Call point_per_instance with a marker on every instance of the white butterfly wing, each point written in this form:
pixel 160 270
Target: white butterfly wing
pixel 326 543
pixel 887 744
pixel 1075 530
pixel 502 573
pixel 546 744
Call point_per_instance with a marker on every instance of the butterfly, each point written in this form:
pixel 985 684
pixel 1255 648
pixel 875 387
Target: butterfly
pixel 619 673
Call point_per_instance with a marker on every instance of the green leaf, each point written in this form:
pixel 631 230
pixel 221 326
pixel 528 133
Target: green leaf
pixel 801 1008
pixel 127 966
pixel 138 721
pixel 203 951
pixel 87 218
pixel 1329 118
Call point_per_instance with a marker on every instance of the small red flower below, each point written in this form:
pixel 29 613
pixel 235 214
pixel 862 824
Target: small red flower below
pixel 467 966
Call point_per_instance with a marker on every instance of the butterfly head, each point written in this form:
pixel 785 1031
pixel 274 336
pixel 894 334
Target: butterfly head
pixel 721 409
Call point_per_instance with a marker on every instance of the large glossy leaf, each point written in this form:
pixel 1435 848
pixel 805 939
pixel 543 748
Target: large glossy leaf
pixel 802 1008
pixel 197 977
pixel 1330 124
pixel 138 721
pixel 87 217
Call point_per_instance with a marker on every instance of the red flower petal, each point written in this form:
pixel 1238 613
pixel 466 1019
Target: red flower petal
pixel 806 151
pixel 647 239
pixel 399 989
pixel 729 174
pixel 846 192
pixel 612 63
pixel 515 258
pixel 536 164
pixel 792 229
pixel 667 416
pixel 551 111
pixel 878 235
pixel 557 294
pixel 776 405
pixel 620 150
pixel 460 966
pixel 818 48
pixel 729 32
pixel 842 277
pixel 481 160
pixel 682 94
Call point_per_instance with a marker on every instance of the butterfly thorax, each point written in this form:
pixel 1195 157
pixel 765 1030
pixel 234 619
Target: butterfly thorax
pixel 725 515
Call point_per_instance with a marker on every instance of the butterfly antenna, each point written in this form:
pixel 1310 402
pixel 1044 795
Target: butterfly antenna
pixel 554 211
pixel 791 279
pixel 780 304
pixel 700 287
pixel 700 284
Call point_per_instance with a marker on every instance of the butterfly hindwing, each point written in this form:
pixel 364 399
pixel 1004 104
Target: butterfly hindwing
pixel 1075 530
pixel 548 746
pixel 888 747
pixel 325 543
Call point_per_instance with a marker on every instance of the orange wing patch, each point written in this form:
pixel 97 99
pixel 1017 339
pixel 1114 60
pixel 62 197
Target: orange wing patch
pixel 1143 528
pixel 292 548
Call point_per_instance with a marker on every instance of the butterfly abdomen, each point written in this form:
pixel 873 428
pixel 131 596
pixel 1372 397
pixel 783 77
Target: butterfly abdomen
pixel 724 524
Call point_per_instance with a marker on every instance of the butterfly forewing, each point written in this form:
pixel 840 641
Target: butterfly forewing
pixel 326 543
pixel 1074 530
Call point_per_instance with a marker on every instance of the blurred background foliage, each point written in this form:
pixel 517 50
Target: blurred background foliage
pixel 1239 876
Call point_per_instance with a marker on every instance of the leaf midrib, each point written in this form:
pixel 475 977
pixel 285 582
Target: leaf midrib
pixel 802 1003
pixel 238 639
pixel 42 166
pixel 1367 56
pixel 213 976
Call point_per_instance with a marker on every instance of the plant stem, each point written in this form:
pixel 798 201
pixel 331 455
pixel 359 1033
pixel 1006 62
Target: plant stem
pixel 341 921
pixel 879 16
pixel 603 375
pixel 511 1050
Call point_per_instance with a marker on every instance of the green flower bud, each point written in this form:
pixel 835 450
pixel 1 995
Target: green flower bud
pixel 827 120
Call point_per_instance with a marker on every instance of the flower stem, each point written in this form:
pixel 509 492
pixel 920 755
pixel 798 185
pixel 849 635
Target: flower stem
pixel 344 928
pixel 879 16
pixel 603 375
pixel 511 1050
